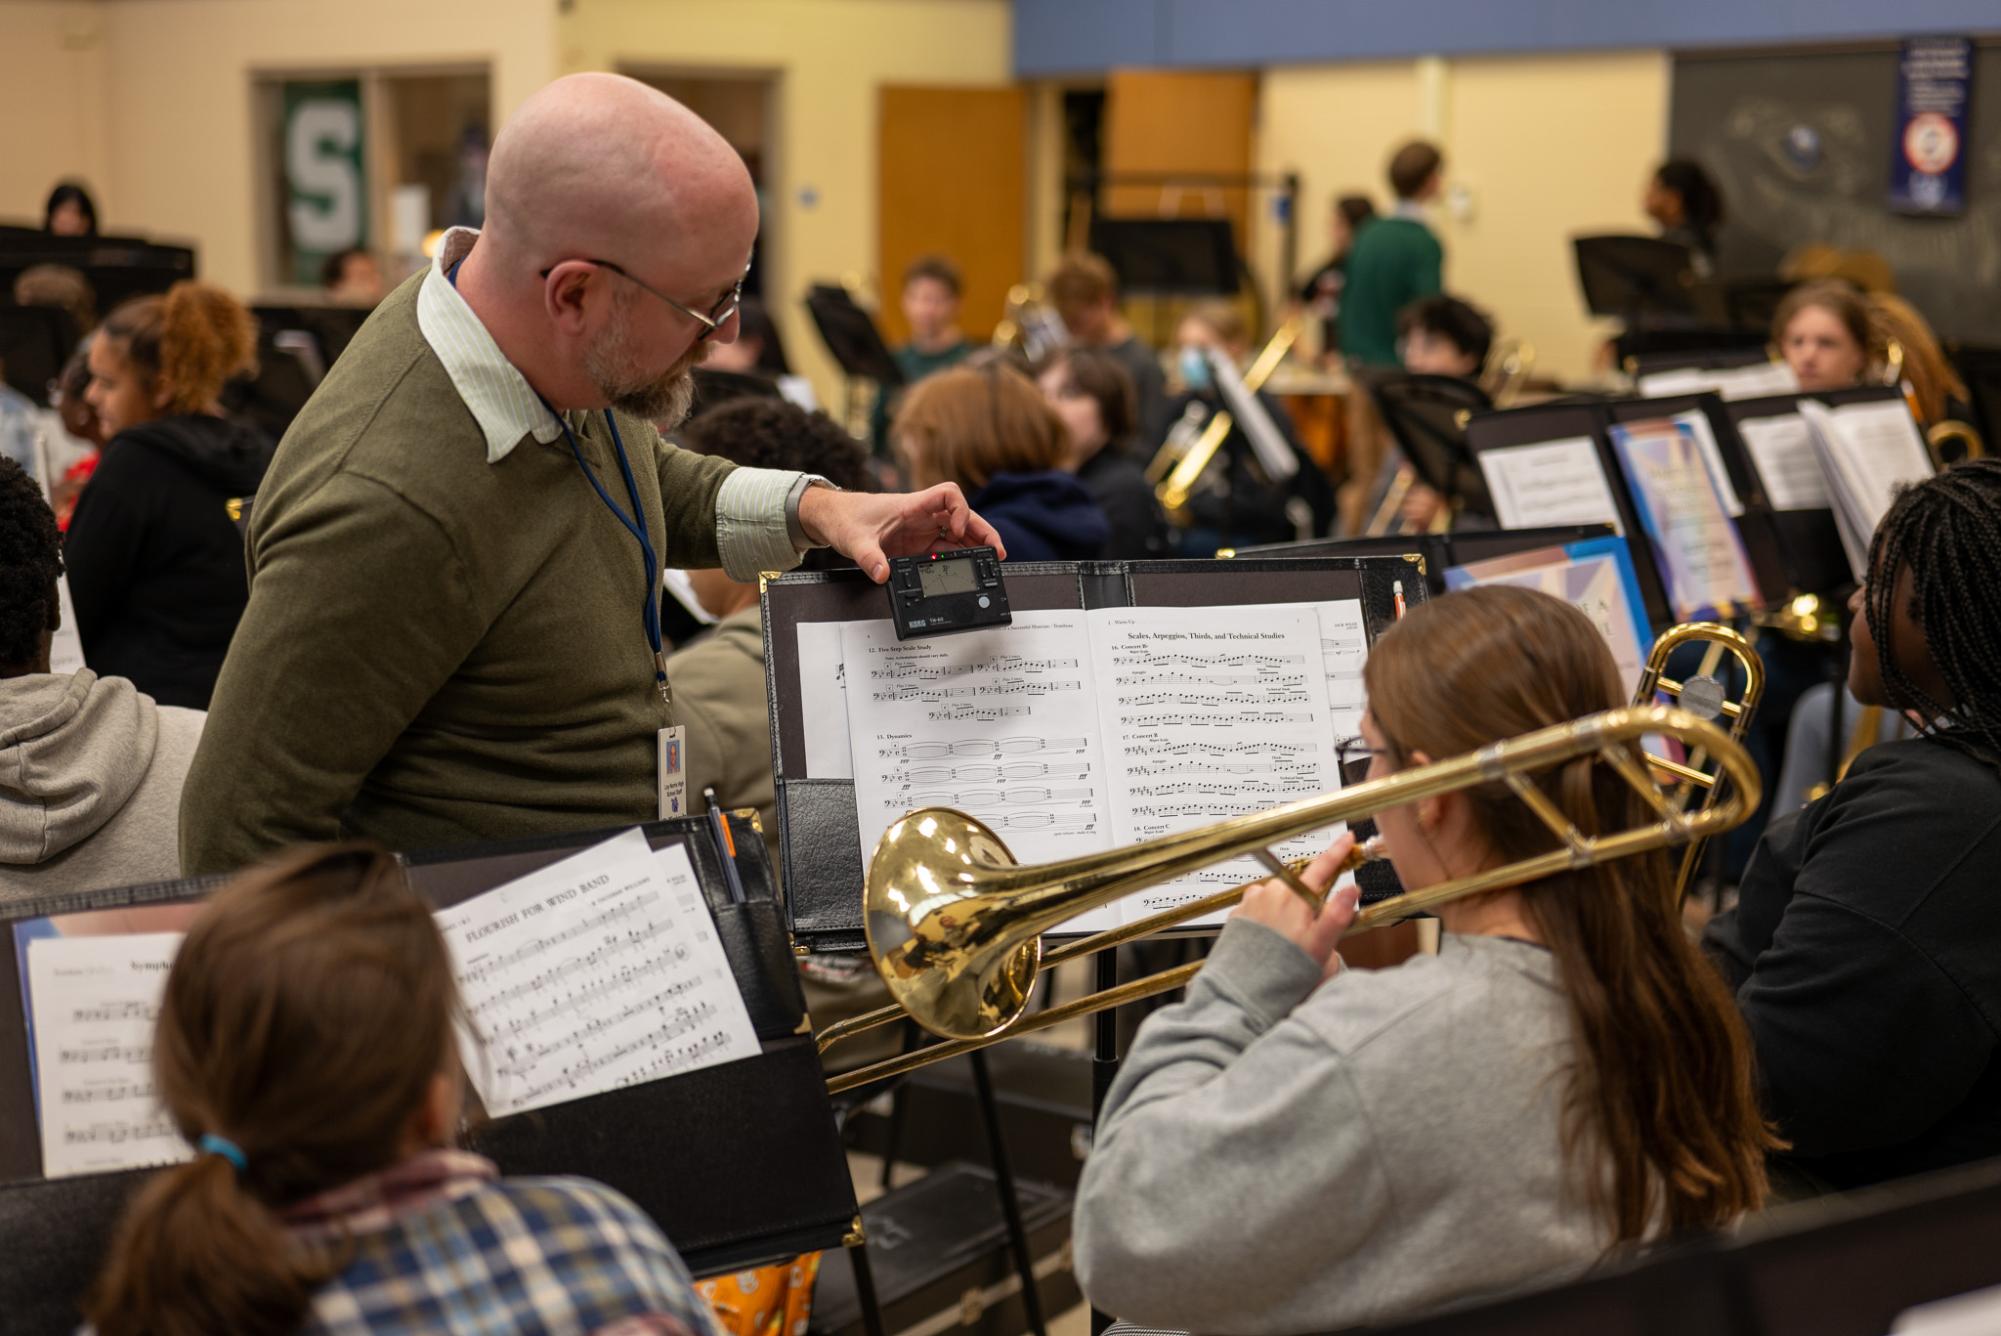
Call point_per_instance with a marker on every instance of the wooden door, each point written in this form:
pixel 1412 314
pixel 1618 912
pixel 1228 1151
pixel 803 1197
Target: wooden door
pixel 953 182
pixel 1169 121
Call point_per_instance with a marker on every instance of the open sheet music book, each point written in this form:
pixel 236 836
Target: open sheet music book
pixel 597 972
pixel 1078 731
pixel 1868 452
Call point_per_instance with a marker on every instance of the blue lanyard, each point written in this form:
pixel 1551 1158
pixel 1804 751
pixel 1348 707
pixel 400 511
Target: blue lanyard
pixel 635 524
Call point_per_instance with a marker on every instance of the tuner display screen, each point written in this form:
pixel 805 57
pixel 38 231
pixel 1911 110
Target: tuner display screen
pixel 947 577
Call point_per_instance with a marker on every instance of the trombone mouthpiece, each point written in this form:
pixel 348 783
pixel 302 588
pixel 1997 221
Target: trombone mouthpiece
pixel 1368 851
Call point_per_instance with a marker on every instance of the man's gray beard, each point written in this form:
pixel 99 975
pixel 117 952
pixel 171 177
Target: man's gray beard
pixel 664 401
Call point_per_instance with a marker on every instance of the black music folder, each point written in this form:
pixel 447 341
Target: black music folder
pixel 819 809
pixel 740 1164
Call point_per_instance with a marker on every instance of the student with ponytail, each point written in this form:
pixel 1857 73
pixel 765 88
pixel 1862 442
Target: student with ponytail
pixel 1865 948
pixel 155 559
pixel 305 1050
pixel 1304 1146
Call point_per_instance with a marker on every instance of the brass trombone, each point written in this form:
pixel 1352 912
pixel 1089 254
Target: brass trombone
pixel 1703 695
pixel 955 925
pixel 1173 474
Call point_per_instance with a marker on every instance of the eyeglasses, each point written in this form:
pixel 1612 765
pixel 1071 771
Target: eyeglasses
pixel 718 316
pixel 1349 752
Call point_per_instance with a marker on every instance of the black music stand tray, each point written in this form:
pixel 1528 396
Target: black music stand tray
pixel 1427 416
pixel 1170 257
pixel 740 1164
pixel 855 343
pixel 1637 279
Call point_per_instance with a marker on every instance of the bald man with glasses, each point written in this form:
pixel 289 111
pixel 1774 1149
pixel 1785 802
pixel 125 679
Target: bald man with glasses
pixel 455 560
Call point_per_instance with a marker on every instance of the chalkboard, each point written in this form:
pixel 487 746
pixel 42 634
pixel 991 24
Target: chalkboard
pixel 1800 142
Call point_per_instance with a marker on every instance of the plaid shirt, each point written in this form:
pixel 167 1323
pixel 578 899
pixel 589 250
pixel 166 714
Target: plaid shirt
pixel 441 1243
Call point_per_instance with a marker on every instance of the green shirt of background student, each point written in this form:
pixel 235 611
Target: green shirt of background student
pixel 1395 260
pixel 931 292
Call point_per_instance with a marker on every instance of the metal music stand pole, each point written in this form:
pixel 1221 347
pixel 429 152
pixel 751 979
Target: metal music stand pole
pixel 1017 1233
pixel 1104 1069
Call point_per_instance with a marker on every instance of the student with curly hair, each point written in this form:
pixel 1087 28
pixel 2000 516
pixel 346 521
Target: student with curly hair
pixel 155 558
pixel 1865 948
pixel 90 767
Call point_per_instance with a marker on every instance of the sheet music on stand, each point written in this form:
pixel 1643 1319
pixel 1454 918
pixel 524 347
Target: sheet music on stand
pixel 1757 381
pixel 597 972
pixel 1127 700
pixel 1868 452
pixel 1071 733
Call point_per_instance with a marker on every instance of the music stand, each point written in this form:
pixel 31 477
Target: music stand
pixel 765 1179
pixel 851 336
pixel 35 344
pixel 1169 257
pixel 1424 414
pixel 1636 279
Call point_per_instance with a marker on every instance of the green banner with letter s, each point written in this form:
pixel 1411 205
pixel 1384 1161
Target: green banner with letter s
pixel 326 199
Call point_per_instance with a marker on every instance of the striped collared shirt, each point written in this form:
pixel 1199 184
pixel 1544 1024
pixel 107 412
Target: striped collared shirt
pixel 756 509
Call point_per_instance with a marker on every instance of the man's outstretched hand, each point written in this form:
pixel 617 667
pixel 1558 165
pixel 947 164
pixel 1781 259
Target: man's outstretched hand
pixel 869 527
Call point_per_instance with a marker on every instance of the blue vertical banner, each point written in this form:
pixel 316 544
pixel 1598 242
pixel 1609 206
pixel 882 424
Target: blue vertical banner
pixel 1928 148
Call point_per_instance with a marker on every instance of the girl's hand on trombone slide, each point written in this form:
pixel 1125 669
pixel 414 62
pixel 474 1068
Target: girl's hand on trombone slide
pixel 1273 904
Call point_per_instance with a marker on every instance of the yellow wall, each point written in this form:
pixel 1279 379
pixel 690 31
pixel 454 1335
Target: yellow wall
pixel 183 156
pixel 830 56
pixel 52 106
pixel 1547 147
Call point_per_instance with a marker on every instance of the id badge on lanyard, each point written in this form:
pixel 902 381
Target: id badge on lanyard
pixel 671 766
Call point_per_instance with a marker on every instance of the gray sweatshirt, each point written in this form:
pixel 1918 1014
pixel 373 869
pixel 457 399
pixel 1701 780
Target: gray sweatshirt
pixel 90 783
pixel 1279 1159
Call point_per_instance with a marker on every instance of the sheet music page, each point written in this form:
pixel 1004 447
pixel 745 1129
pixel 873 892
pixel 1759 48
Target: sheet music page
pixel 65 646
pixel 1697 423
pixel 1210 713
pixel 597 972
pixel 1553 482
pixel 1757 381
pixel 1782 450
pixel 1879 446
pixel 823 699
pixel 95 1002
pixel 1344 650
pixel 1000 724
pixel 1706 571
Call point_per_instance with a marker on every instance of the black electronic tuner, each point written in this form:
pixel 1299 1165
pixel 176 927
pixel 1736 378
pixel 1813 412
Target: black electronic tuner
pixel 941 592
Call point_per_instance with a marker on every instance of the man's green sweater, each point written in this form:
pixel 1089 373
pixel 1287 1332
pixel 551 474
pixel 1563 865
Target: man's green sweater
pixel 439 649
pixel 1393 262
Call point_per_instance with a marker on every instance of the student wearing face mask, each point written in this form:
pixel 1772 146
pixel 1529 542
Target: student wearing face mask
pixel 1236 504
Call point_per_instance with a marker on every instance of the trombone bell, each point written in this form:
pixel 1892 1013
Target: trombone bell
pixel 922 895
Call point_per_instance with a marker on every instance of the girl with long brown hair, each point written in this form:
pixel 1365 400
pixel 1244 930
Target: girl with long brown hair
pixel 1301 1146
pixel 305 1048
pixel 988 430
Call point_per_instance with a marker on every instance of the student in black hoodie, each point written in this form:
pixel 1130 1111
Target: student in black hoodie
pixel 990 431
pixel 155 559
pixel 1091 391
pixel 1866 946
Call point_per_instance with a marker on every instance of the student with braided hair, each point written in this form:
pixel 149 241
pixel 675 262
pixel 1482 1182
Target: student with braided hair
pixel 1865 949
pixel 155 559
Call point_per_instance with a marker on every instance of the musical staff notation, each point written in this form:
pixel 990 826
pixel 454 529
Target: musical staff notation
pixel 93 1004
pixel 589 974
